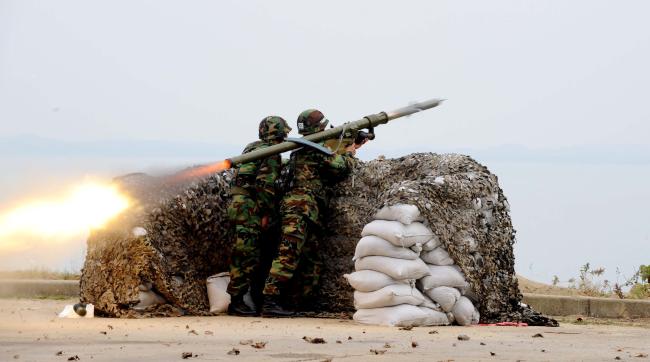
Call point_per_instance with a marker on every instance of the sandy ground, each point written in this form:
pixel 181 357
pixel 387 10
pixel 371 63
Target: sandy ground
pixel 30 331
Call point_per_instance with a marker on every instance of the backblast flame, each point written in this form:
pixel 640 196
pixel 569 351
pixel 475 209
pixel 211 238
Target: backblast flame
pixel 86 207
pixel 203 171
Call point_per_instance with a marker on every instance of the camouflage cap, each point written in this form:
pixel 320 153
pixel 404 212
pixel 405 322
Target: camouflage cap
pixel 274 128
pixel 311 121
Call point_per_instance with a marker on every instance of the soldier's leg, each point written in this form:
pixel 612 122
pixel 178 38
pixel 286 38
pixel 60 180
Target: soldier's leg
pixel 243 259
pixel 246 250
pixel 285 263
pixel 313 266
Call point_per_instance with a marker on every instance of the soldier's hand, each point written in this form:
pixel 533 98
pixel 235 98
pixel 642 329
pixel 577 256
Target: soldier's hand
pixel 352 149
pixel 265 222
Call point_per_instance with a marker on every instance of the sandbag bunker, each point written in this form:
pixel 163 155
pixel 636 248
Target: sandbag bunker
pixel 405 277
pixel 440 253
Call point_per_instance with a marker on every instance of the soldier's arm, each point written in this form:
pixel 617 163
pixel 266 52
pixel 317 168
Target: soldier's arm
pixel 339 166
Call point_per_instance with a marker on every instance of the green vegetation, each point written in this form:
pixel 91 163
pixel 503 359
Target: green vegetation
pixel 40 273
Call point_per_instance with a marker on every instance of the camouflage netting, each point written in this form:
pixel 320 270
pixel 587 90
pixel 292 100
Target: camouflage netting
pixel 187 237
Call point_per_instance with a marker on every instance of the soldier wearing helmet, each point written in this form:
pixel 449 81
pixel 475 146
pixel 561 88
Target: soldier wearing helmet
pixel 301 211
pixel 253 203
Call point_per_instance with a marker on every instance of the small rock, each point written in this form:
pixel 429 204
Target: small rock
pixel 73 358
pixel 59 353
pixel 433 332
pixel 407 328
pixel 234 352
pixel 109 326
pixel 377 351
pixel 315 340
pixel 538 335
pixel 641 355
pixel 103 332
pixel 259 345
pixel 186 355
pixel 617 358
pixel 463 337
pixel 482 344
pixel 414 344
pixel 349 338
pixel 492 354
pixel 386 345
pixel 338 341
pixel 193 332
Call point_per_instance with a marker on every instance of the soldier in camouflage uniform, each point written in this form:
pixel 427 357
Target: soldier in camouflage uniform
pixel 301 207
pixel 253 203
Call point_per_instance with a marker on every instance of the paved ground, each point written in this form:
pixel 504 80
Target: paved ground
pixel 30 331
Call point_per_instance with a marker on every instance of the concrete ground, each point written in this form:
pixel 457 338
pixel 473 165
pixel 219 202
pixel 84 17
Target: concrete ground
pixel 31 331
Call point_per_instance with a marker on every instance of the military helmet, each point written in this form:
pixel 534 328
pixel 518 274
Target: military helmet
pixel 311 121
pixel 274 128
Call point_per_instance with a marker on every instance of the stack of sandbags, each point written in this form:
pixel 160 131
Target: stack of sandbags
pixel 446 284
pixel 387 263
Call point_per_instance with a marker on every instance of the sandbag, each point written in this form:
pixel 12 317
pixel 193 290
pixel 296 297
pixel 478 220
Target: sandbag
pixel 217 294
pixel 397 233
pixel 388 296
pixel 403 315
pixel 370 280
pixel 435 317
pixel 465 313
pixel 446 297
pixel 417 248
pixel 437 256
pixel 394 268
pixel 148 297
pixel 373 245
pixel 443 276
pixel 431 244
pixel 403 213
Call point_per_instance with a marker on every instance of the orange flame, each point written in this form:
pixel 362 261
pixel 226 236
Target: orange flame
pixel 203 170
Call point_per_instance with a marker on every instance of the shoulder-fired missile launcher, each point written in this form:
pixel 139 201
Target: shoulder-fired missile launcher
pixel 336 139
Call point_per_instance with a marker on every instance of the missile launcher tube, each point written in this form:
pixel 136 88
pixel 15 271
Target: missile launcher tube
pixel 366 122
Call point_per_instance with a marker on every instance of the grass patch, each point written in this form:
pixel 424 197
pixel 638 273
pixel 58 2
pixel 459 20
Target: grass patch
pixel 40 273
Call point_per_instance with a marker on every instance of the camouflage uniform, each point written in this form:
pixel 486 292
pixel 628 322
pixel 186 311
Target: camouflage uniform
pixel 253 196
pixel 301 209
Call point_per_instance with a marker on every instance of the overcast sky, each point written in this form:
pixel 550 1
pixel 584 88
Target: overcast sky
pixel 536 73
pixel 518 76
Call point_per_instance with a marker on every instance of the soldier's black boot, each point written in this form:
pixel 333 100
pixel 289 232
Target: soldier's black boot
pixel 238 307
pixel 272 307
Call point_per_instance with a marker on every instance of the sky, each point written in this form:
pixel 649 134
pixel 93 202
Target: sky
pixel 536 90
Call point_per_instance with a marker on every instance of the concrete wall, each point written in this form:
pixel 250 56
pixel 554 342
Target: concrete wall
pixel 588 306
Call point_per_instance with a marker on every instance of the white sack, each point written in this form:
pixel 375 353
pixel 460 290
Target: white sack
pixel 402 315
pixel 147 299
pixel 446 297
pixel 428 303
pixel 388 296
pixel 68 312
pixel 372 245
pixel 403 213
pixel 370 280
pixel 435 318
pixel 417 248
pixel 465 312
pixel 394 268
pixel 443 276
pixel 431 244
pixel 397 233
pixel 217 294
pixel 437 256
